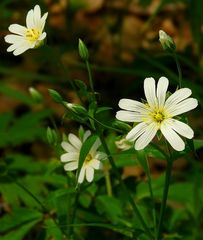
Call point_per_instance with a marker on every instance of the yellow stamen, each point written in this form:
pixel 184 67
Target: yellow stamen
pixel 88 158
pixel 158 116
pixel 32 34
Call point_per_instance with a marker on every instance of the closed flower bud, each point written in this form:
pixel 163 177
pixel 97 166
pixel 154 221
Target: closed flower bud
pixel 36 96
pixel 55 96
pixel 51 136
pixel 166 41
pixel 80 110
pixel 83 51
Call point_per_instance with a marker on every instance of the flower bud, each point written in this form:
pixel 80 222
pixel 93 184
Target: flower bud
pixel 166 41
pixel 83 51
pixel 55 96
pixel 36 96
pixel 51 136
pixel 78 109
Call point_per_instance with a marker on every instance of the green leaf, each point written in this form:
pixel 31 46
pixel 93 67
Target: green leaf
pixel 21 232
pixel 23 129
pixel 85 150
pixel 52 230
pixel 18 217
pixel 109 206
pixel 125 158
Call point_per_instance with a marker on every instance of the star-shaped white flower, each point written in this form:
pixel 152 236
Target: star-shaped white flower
pixel 31 36
pixel 158 114
pixel 71 158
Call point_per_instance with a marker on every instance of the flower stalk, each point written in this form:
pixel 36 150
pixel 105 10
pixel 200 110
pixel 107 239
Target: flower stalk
pixel 165 193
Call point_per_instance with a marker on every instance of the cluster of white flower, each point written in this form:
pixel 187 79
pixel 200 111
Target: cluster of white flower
pixel 158 113
pixel 31 36
pixel 71 158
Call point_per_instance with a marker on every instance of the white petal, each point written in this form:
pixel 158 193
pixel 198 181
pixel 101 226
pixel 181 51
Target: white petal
pixel 17 29
pixel 81 175
pixel 177 97
pixel 71 166
pixel 136 131
pixel 95 146
pixel 12 48
pixel 75 141
pixel 150 92
pixel 37 17
pixel 181 128
pixel 12 38
pixel 30 19
pixel 184 106
pixel 37 12
pixel 67 157
pixel 172 137
pixel 146 137
pixel 42 36
pixel 96 164
pixel 162 87
pixel 132 105
pixel 21 50
pixel 43 21
pixel 89 174
pixel 128 116
pixel 86 135
pixel 68 147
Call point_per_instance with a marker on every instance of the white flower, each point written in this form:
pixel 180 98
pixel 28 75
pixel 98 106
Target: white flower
pixel 157 114
pixel 71 158
pixel 31 36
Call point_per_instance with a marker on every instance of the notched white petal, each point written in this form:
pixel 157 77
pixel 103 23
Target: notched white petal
pixel 17 29
pixel 71 166
pixel 132 105
pixel 184 106
pixel 128 116
pixel 136 131
pixel 177 97
pixel 172 137
pixel 162 87
pixel 75 141
pixel 89 174
pixel 181 128
pixel 146 137
pixel 150 91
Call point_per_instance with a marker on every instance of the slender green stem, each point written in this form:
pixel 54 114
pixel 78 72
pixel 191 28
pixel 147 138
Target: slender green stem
pixel 165 194
pixel 31 195
pixel 90 79
pixel 129 196
pixel 179 68
pixel 108 182
pixel 149 180
pixel 104 125
pixel 74 212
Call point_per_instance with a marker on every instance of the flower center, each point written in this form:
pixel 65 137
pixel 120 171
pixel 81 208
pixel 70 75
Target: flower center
pixel 32 34
pixel 88 158
pixel 158 116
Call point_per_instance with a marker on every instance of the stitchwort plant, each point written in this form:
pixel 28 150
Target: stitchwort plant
pixel 87 186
